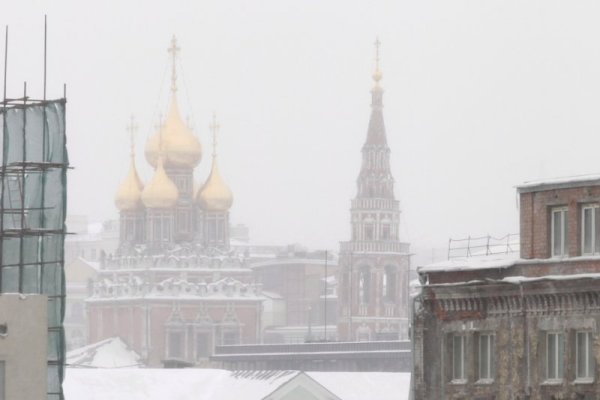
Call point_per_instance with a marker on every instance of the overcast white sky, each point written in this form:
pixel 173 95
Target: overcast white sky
pixel 480 96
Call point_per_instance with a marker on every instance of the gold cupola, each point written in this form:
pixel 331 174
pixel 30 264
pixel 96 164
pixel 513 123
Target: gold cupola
pixel 214 195
pixel 181 149
pixel 129 193
pixel 160 192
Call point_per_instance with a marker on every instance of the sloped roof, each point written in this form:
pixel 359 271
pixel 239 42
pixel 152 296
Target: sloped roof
pixel 365 385
pixel 180 384
pixel 108 353
pixel 205 384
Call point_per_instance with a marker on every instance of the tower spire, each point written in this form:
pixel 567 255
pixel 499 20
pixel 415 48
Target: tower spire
pixel 214 128
pixel 377 75
pixel 173 50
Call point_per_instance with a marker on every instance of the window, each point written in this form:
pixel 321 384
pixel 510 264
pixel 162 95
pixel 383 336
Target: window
pixel 389 284
pixel 231 337
pixel 385 232
pixel 458 357
pixel 584 356
pixel 486 356
pixel 368 232
pixel 555 349
pixel 590 229
pixel 202 341
pixel 559 231
pixel 364 283
pixel 175 344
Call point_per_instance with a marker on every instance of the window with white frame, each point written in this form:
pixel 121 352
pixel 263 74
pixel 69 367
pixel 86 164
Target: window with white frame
pixel 555 350
pixel 584 356
pixel 558 232
pixel 486 356
pixel 458 358
pixel 590 229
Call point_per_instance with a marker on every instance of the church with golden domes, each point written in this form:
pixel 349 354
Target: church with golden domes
pixel 169 209
pixel 174 289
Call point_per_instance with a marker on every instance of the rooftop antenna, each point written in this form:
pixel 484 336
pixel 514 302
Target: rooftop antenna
pixel 5 62
pixel 45 48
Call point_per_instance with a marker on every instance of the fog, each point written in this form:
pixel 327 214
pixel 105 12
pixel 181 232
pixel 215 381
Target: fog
pixel 479 97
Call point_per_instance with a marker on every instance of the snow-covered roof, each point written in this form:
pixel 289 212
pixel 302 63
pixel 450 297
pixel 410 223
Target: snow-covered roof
pixel 365 385
pixel 205 384
pixel 108 353
pixel 468 263
pixel 294 262
pixel 559 183
pixel 180 384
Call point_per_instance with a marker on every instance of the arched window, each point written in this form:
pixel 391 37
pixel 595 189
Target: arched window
pixel 364 283
pixel 389 283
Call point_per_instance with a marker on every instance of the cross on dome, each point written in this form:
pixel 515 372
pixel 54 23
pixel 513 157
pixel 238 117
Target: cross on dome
pixel 132 129
pixel 214 128
pixel 173 50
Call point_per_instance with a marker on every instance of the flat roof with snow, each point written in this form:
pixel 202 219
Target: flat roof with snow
pixel 471 263
pixel 559 183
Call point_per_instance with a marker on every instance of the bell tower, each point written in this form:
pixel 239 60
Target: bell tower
pixel 374 264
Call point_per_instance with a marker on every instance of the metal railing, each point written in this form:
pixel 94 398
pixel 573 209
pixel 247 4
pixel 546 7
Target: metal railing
pixel 483 246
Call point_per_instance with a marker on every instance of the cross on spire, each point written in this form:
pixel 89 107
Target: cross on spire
pixel 173 50
pixel 377 74
pixel 132 129
pixel 214 128
pixel 377 45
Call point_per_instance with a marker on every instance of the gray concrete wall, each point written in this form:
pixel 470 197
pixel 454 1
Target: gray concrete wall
pixel 23 347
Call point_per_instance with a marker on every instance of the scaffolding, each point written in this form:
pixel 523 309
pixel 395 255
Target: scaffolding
pixel 33 174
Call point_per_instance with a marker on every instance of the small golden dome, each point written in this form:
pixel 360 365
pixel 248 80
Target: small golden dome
pixel 160 192
pixel 377 75
pixel 129 194
pixel 214 195
pixel 180 147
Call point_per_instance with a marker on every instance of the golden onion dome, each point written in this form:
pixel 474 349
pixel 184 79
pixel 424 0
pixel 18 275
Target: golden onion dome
pixel 180 147
pixel 214 195
pixel 160 192
pixel 129 193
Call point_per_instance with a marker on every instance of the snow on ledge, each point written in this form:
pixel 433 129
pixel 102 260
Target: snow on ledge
pixel 559 183
pixel 472 263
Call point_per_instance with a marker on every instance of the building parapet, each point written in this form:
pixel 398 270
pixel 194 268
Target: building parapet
pixel 375 204
pixel 227 288
pixel 374 247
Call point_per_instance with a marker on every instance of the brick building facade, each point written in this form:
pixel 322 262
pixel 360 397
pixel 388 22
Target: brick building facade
pixel 510 327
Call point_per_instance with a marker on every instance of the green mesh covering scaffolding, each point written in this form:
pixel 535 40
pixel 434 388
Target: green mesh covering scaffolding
pixel 32 214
